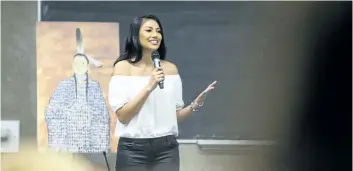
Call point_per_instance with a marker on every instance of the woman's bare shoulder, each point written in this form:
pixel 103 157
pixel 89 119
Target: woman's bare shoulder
pixel 122 68
pixel 169 68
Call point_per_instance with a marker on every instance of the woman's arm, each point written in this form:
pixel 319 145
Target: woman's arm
pixel 195 105
pixel 185 112
pixel 182 113
pixel 128 111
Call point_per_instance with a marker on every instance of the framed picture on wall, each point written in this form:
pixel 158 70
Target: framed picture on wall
pixel 74 66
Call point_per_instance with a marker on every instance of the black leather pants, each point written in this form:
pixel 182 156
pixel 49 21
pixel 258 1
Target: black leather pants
pixel 153 154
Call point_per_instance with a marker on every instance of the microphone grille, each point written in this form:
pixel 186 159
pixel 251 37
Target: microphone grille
pixel 155 54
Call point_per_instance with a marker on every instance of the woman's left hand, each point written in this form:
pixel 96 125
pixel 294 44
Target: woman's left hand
pixel 201 98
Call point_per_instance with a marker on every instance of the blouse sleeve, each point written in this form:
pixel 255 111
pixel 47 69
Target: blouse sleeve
pixel 118 92
pixel 179 94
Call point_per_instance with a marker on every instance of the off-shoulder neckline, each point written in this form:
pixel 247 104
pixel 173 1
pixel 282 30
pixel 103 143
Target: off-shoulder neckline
pixel 143 76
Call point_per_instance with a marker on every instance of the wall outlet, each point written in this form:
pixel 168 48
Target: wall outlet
pixel 10 136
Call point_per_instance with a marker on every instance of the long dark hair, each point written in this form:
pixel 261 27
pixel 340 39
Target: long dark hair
pixel 133 47
pixel 86 81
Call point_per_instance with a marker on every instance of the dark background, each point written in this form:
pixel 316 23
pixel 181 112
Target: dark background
pixel 258 52
pixel 320 131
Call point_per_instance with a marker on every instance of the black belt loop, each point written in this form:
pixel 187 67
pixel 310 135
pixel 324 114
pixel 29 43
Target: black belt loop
pixel 167 139
pixel 133 141
pixel 170 138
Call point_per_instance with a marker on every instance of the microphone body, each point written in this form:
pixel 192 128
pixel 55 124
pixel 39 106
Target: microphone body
pixel 157 64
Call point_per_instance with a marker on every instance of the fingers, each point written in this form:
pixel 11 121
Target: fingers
pixel 213 83
pixel 157 69
pixel 158 74
pixel 210 87
pixel 159 77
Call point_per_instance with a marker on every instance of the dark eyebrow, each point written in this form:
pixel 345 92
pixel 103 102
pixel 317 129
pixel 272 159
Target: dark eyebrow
pixel 152 27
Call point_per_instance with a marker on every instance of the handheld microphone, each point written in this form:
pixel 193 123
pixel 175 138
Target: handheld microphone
pixel 157 64
pixel 106 160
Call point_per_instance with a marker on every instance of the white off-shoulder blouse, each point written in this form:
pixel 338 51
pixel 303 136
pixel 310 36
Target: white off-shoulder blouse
pixel 157 116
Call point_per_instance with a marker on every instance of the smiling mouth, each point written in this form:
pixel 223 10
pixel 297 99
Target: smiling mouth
pixel 154 42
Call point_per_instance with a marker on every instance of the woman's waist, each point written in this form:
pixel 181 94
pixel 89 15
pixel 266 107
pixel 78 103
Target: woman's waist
pixel 124 136
pixel 148 122
pixel 146 139
pixel 146 131
pixel 140 128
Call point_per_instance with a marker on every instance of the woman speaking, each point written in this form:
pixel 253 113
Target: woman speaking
pixel 147 115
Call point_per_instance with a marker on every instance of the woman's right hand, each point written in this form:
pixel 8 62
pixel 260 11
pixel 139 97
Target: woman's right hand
pixel 157 76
